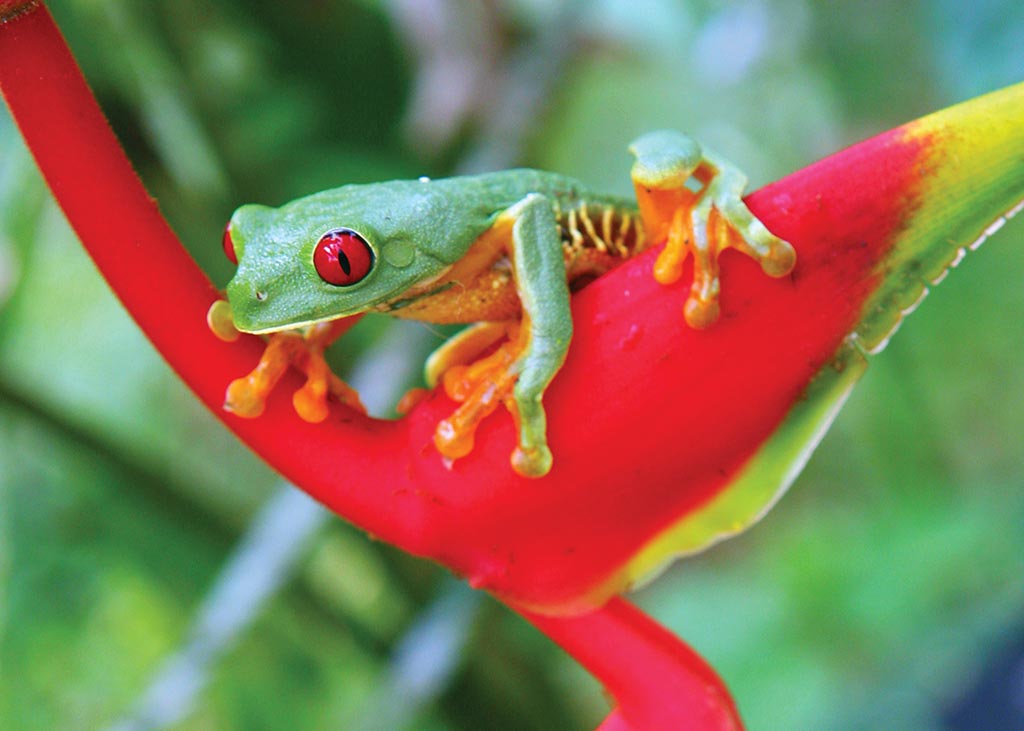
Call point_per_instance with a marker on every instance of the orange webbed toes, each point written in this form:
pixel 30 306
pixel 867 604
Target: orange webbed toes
pixel 247 396
pixel 479 388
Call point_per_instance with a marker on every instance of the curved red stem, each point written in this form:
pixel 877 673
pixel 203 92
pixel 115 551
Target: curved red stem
pixel 659 682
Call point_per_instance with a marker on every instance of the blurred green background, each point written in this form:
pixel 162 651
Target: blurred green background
pixel 885 592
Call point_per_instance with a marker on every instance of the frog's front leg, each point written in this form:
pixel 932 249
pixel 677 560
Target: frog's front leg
pixel 704 221
pixel 247 396
pixel 519 371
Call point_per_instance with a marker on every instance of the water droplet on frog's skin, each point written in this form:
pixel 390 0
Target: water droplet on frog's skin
pixel 398 253
pixel 424 179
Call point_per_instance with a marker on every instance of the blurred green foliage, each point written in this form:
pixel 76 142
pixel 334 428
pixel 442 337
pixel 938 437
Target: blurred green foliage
pixel 868 599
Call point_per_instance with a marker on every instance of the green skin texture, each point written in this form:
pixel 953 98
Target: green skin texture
pixel 417 229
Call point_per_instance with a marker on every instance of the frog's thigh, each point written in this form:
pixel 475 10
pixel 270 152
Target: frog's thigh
pixel 462 348
pixel 539 270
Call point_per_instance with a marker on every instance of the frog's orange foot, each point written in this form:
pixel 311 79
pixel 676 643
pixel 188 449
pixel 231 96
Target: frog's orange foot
pixel 706 231
pixel 310 401
pixel 479 388
pixel 693 200
pixel 247 396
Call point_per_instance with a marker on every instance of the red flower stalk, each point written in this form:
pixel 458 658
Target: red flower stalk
pixel 665 438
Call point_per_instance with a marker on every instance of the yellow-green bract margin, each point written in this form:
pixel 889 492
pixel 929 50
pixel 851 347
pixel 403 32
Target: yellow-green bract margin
pixel 970 180
pixel 764 478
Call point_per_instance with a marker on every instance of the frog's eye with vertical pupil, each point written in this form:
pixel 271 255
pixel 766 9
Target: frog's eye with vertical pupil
pixel 342 257
pixel 229 245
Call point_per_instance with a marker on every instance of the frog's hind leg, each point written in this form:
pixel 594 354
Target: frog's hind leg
pixel 693 200
pixel 463 348
pixel 519 371
pixel 451 365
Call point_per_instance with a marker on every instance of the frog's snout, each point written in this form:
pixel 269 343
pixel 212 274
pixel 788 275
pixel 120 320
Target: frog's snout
pixel 246 299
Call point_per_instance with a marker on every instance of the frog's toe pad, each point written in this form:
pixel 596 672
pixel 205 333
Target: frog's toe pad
pixel 220 321
pixel 243 400
pixel 701 313
pixel 454 437
pixel 780 259
pixel 534 462
pixel 310 403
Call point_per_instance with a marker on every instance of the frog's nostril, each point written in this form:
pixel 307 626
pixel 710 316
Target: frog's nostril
pixel 260 295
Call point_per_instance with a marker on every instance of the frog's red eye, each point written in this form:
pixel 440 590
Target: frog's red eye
pixel 342 257
pixel 229 245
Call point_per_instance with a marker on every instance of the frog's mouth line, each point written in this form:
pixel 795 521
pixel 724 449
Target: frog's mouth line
pixel 290 326
pixel 382 305
pixel 261 319
pixel 398 304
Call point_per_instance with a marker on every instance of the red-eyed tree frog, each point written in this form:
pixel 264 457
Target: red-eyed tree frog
pixel 502 250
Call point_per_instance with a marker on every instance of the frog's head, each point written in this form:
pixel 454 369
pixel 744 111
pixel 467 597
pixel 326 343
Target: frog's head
pixel 329 255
